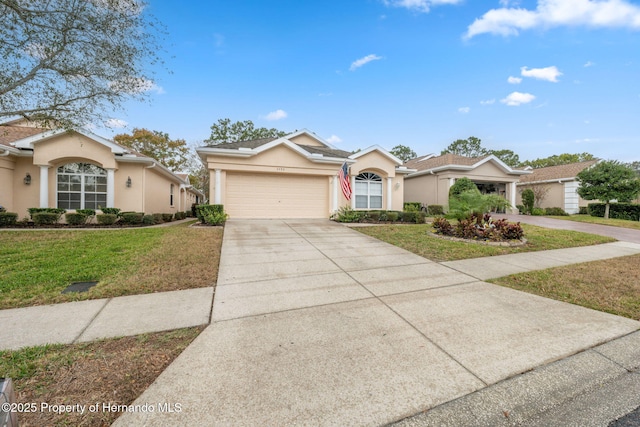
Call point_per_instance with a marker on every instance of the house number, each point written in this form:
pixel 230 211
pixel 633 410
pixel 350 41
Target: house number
pixel 280 169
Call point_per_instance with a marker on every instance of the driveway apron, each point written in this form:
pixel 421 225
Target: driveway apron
pixel 317 324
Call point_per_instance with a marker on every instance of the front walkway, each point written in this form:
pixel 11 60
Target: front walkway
pixel 314 323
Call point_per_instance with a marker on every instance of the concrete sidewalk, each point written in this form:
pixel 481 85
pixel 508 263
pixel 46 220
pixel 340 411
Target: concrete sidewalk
pixel 314 323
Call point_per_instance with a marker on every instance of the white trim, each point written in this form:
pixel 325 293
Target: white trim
pixel 334 194
pixel 506 168
pixel 44 186
pixel 217 197
pixel 34 139
pixel 379 149
pixel 307 132
pixel 547 181
pixel 111 186
pixel 389 193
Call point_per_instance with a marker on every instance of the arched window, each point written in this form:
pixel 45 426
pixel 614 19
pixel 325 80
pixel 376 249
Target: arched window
pixel 81 186
pixel 368 191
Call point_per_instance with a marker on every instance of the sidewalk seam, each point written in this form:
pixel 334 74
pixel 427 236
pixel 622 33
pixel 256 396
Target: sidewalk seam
pixel 75 340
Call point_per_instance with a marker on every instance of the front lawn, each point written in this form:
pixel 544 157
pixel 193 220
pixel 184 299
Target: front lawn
pixel 35 266
pixel 611 285
pixel 597 220
pixel 414 238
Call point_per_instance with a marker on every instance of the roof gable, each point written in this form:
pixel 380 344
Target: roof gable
pixel 429 164
pixel 566 172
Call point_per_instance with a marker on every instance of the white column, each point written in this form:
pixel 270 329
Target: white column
pixel 389 194
pixel 217 196
pixel 334 194
pixel 353 192
pixel 44 186
pixel 111 186
pixel 512 194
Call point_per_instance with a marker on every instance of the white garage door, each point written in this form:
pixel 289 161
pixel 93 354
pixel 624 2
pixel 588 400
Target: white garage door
pixel 276 196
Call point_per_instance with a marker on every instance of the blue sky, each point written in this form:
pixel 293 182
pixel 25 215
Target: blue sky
pixel 538 77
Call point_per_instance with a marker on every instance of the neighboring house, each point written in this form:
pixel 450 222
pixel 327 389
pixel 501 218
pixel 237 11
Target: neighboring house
pixel 78 169
pixel 296 176
pixel 434 176
pixel 556 186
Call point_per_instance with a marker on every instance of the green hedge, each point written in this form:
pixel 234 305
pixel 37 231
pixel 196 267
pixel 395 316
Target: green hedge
pixel 8 218
pixel 203 211
pixel 45 218
pixel 167 217
pixel 555 212
pixel 132 218
pixel 434 210
pixel 106 219
pixel 628 211
pixel 75 218
pixel 57 211
pixel 412 206
pixel 114 211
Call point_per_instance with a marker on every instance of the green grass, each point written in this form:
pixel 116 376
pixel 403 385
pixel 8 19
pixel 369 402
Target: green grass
pixel 601 221
pixel 414 238
pixel 35 266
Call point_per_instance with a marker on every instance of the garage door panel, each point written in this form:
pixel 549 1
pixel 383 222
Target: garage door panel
pixel 276 196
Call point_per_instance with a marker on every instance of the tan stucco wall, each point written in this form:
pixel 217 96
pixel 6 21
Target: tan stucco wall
pixel 7 165
pixel 72 147
pixel 129 198
pixel 15 195
pixel 554 197
pixel 157 191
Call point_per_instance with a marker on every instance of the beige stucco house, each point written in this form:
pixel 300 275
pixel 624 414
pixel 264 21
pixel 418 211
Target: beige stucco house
pixel 296 176
pixel 80 170
pixel 556 186
pixel 434 175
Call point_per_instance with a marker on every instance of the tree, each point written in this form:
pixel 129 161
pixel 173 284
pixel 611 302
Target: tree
pixel 470 147
pixel 608 180
pixel 172 153
pixel 558 159
pixel 68 62
pixel 403 152
pixel 462 185
pixel 224 132
pixel 507 156
pixel 528 200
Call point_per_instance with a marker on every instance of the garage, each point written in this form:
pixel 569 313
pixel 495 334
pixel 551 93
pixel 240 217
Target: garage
pixel 259 195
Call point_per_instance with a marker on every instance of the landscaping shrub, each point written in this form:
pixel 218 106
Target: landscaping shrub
pixel 114 211
pixel 521 209
pixel 87 212
pixel 167 217
pixel 462 185
pixel 479 227
pixel 628 211
pixel 555 212
pixel 434 210
pixel 528 199
pixel 374 215
pixel 392 216
pixel 157 218
pixel 106 219
pixel 8 218
pixel 2 209
pixel 583 210
pixel 45 218
pixel 412 206
pixel 148 220
pixel 442 226
pixel 75 218
pixel 180 215
pixel 537 212
pixel 132 218
pixel 215 217
pixel 202 210
pixel 57 211
pixel 408 216
pixel 346 214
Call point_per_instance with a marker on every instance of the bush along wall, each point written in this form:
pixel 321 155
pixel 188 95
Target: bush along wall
pixel 8 218
pixel 211 214
pixel 628 211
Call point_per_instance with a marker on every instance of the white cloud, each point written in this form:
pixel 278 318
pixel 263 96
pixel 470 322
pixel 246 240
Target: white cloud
pixel 514 80
pixel 419 5
pixel 116 124
pixel 464 110
pixel 334 139
pixel 488 102
pixel 362 61
pixel 515 99
pixel 589 64
pixel 555 13
pixel 276 115
pixel 550 74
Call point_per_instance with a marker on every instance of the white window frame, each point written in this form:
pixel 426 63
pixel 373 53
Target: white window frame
pixel 83 174
pixel 370 180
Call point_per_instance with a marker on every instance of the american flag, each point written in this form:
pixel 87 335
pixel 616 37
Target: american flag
pixel 345 183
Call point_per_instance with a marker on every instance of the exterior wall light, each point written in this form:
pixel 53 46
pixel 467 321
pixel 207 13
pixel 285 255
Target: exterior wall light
pixel 129 182
pixel 27 179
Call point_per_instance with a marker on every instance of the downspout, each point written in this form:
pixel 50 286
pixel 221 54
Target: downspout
pixel 5 153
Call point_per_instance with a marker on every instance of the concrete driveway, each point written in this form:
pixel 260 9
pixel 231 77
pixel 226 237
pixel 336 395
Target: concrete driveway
pixel 317 324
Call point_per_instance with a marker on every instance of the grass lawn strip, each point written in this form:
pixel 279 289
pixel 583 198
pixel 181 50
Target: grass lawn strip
pixel 623 223
pixel 612 285
pixel 113 371
pixel 414 238
pixel 36 266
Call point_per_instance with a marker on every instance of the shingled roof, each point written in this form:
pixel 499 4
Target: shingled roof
pixel 426 162
pixel 560 172
pixel 10 133
pixel 255 143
